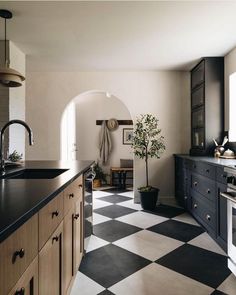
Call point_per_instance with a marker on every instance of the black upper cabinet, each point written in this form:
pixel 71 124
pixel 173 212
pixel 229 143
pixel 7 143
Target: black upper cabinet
pixel 207 105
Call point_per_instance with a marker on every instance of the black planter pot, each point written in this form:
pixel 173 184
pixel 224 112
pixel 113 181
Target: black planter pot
pixel 149 199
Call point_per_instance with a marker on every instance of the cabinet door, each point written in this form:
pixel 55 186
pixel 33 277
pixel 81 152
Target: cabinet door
pixel 68 249
pixel 198 75
pixel 198 138
pixel 198 119
pixel 50 264
pixel 78 235
pixel 28 283
pixel 198 96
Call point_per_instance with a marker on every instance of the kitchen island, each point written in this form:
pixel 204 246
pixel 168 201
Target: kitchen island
pixel 41 226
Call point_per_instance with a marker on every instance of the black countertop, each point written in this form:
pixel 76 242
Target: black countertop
pixel 231 163
pixel 20 199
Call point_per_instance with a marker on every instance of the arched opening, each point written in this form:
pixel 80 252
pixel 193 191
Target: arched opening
pixel 80 132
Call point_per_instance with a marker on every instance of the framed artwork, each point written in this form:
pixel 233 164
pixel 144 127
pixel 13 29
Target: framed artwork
pixel 127 136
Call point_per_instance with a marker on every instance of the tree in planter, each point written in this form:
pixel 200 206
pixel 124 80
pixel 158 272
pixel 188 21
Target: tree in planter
pixel 147 143
pixel 99 175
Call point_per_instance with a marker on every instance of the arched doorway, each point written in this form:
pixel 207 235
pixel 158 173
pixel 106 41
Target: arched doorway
pixel 80 133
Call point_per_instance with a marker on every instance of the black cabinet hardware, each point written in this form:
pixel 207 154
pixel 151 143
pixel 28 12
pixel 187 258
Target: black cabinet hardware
pixel 76 216
pixel 55 239
pixel 55 213
pixel 71 196
pixel 20 292
pixel 20 253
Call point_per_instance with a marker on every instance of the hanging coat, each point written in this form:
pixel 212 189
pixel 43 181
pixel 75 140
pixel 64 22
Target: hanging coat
pixel 104 143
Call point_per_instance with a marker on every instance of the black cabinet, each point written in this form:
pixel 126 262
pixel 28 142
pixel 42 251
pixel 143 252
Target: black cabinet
pixel 207 105
pixel 198 184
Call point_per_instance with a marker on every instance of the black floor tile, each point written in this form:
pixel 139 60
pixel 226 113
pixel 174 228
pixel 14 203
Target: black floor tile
pixel 114 230
pixel 177 230
pixel 217 292
pixel 166 211
pixel 110 264
pixel 106 292
pixel 116 190
pixel 114 211
pixel 115 199
pixel 199 264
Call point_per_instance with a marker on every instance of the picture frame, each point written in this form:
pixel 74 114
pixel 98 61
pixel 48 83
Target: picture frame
pixel 127 136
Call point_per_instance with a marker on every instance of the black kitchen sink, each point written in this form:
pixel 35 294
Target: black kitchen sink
pixel 34 174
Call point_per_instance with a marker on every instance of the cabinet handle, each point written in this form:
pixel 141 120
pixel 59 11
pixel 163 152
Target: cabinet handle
pixel 56 239
pixel 71 196
pixel 20 253
pixel 80 185
pixel 195 183
pixel 208 217
pixel 195 206
pixel 194 166
pixel 207 170
pixel 223 175
pixel 55 213
pixel 20 292
pixel 76 216
pixel 208 191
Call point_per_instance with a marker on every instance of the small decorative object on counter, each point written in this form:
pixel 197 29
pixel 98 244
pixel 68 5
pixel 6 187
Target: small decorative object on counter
pixel 219 150
pixel 228 154
pixel 15 156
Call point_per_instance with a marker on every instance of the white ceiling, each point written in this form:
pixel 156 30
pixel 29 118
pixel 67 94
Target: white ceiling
pixel 84 36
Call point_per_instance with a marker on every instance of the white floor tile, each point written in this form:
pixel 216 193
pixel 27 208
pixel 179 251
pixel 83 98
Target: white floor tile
pixel 142 219
pixel 95 243
pixel 131 204
pixel 127 194
pixel 155 279
pixel 85 286
pixel 185 217
pixel 229 285
pixel 148 244
pixel 206 242
pixel 99 194
pixel 99 204
pixel 98 218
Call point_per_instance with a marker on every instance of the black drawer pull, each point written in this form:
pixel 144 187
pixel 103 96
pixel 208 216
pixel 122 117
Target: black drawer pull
pixel 76 216
pixel 56 239
pixel 208 191
pixel 195 183
pixel 71 196
pixel 207 170
pixel 195 206
pixel 194 166
pixel 208 217
pixel 80 185
pixel 223 175
pixel 20 253
pixel 55 213
pixel 20 292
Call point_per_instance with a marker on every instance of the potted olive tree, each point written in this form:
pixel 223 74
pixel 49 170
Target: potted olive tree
pixel 148 143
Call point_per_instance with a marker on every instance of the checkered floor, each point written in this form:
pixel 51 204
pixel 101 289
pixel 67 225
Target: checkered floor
pixel 136 252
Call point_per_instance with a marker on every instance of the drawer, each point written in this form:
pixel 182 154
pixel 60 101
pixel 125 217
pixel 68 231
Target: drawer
pixel 221 176
pixel 50 217
pixel 17 252
pixel 73 193
pixel 204 169
pixel 204 186
pixel 204 212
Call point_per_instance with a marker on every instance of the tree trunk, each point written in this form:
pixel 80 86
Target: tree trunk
pixel 146 162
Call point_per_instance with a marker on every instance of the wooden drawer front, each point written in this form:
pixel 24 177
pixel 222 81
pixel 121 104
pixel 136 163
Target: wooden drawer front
pixel 73 193
pixel 50 217
pixel 28 283
pixel 17 252
pixel 207 216
pixel 204 186
pixel 221 176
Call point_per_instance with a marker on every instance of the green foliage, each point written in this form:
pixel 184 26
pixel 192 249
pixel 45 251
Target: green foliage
pixel 147 141
pixel 99 172
pixel 15 156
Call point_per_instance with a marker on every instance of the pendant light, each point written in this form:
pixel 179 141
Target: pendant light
pixel 8 77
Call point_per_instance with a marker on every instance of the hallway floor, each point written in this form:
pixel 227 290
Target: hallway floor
pixel 141 253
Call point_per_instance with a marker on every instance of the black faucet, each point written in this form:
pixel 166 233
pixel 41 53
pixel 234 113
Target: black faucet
pixel 2 161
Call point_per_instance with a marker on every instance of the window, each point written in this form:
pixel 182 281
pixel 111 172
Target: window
pixel 232 107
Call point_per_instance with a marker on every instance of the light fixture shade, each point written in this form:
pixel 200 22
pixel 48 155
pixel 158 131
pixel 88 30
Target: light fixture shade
pixel 10 77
